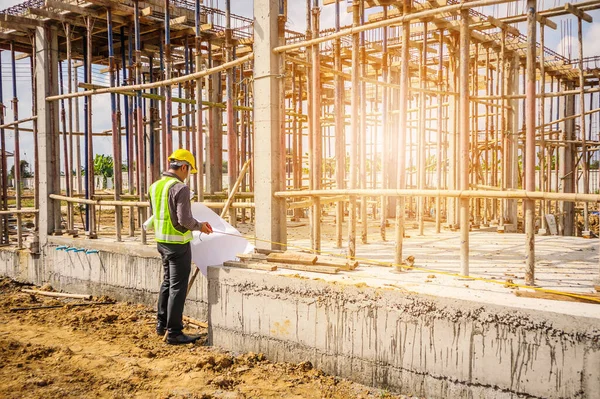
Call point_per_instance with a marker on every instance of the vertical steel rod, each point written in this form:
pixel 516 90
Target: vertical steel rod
pixel 17 154
pixel 116 130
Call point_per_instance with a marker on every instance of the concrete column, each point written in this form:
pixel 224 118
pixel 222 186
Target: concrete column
pixel 269 154
pixel 46 73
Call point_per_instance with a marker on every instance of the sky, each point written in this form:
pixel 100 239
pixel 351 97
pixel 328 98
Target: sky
pixel 557 40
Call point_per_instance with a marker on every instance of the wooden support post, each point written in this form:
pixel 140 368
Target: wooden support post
pixel 355 123
pixel 316 137
pixel 464 139
pixel 422 136
pixel 402 125
pixel 362 144
pixel 440 121
pixel 385 153
pixel 340 129
pixel 530 143
pixel 582 128
pixel 199 122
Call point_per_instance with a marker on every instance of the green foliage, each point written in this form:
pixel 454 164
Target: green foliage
pixel 25 172
pixel 104 166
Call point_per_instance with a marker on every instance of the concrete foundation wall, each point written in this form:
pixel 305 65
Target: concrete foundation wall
pixel 414 344
pixel 126 272
pixel 418 345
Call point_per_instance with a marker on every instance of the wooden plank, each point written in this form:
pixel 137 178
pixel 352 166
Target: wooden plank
pixel 556 297
pixel 267 251
pixel 342 264
pixel 296 258
pixel 578 13
pixel 253 266
pixel 195 322
pixel 29 22
pixel 545 21
pixel 15 26
pixel 57 294
pixel 146 12
pixel 59 5
pixel 307 268
pixel 504 26
pixel 251 256
pixel 114 6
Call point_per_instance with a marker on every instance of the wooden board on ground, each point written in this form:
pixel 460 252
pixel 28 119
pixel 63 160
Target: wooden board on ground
pixel 267 251
pixel 254 266
pixel 342 264
pixel 252 256
pixel 195 322
pixel 558 297
pixel 307 268
pixel 58 294
pixel 296 258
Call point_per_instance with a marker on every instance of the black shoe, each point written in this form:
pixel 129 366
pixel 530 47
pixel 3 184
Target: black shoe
pixel 161 331
pixel 182 339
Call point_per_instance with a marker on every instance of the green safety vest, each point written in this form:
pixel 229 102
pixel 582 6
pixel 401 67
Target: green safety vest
pixel 164 231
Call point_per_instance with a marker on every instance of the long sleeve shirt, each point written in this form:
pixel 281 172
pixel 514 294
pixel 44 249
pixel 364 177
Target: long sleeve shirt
pixel 180 207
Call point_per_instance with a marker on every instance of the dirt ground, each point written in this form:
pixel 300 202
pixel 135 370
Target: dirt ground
pixel 110 350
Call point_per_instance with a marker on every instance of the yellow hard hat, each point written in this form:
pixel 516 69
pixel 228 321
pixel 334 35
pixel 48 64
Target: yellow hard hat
pixel 184 155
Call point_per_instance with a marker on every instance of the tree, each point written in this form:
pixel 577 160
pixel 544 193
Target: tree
pixel 25 173
pixel 103 166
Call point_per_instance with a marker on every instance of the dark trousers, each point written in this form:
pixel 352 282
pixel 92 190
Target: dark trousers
pixel 177 261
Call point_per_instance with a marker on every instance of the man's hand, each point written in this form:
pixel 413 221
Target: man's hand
pixel 206 228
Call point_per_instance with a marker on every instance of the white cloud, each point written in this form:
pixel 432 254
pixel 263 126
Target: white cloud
pixel 569 45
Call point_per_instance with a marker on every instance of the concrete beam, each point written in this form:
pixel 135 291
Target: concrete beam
pixel 269 145
pixel 46 72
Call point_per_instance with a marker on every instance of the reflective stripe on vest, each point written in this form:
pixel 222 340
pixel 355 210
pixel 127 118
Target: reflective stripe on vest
pixel 164 231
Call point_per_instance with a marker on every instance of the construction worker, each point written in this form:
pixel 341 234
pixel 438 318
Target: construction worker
pixel 173 226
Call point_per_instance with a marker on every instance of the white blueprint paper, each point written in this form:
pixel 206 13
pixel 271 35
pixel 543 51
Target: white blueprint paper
pixel 216 248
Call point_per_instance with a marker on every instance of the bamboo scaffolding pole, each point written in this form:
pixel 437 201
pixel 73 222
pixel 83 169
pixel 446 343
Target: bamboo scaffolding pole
pixel 20 121
pixel 18 211
pixel 495 194
pixel 408 17
pixel 235 188
pixel 139 204
pixel 160 83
